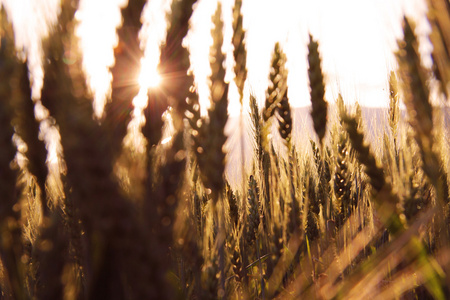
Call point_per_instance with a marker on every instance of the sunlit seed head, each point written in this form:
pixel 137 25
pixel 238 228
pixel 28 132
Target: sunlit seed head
pixel 188 114
pixel 196 107
pixel 166 140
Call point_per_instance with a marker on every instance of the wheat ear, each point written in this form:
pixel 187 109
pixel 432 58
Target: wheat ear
pixel 239 52
pixel 317 90
pixel 277 82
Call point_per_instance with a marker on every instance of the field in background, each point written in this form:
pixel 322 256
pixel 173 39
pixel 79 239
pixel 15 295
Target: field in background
pixel 375 120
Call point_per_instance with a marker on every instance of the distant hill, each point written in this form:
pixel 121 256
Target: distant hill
pixel 241 141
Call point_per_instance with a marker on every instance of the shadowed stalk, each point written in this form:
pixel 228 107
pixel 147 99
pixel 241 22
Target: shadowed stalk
pixel 416 98
pixel 237 266
pixel 195 120
pixel 125 72
pixel 253 216
pixel 176 84
pixel 323 171
pixel 232 202
pixel 262 157
pixel 312 206
pixel 294 222
pixel 27 127
pixel 239 52
pixel 240 71
pixel 319 108
pixel 11 247
pixel 210 153
pixel 153 127
pixel 176 90
pixel 317 90
pixel 51 253
pixel 439 18
pixel 115 265
pixel 160 207
pixel 343 176
pixel 210 284
pixel 211 157
pixel 417 101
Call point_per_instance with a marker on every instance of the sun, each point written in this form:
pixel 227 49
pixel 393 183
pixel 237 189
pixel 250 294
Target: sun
pixel 149 78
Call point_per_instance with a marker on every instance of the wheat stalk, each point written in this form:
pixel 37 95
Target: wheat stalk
pixel 317 90
pixel 109 221
pixel 127 56
pixel 239 52
pixel 211 157
pixel 253 217
pixel 277 82
pixel 176 83
pixel 285 120
pixel 11 249
pixel 439 18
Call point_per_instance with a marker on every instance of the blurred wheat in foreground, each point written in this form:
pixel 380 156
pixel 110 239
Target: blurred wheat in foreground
pixel 338 219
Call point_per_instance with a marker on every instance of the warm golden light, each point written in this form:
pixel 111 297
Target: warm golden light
pixel 149 78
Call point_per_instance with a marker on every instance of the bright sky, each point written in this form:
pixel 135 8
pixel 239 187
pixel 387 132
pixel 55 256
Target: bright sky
pixel 357 39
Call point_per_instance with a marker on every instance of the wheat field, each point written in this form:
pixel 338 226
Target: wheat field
pixel 339 218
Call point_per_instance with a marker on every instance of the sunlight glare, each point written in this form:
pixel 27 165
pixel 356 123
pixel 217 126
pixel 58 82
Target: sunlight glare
pixel 166 140
pixel 149 78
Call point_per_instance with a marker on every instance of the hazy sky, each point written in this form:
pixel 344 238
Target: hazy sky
pixel 357 39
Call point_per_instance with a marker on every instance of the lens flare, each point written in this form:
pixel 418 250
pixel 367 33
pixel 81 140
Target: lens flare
pixel 149 78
